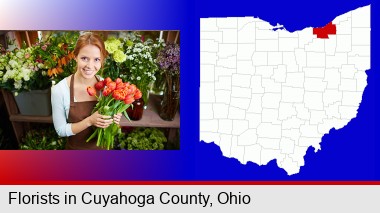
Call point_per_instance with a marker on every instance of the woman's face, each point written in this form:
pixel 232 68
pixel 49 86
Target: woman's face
pixel 88 61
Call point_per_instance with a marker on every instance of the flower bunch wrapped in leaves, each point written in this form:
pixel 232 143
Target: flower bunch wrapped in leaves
pixel 115 97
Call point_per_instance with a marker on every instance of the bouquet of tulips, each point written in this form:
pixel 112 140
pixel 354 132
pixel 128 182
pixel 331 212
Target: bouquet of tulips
pixel 115 97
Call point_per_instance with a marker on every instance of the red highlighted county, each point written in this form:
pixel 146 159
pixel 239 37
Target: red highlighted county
pixel 324 32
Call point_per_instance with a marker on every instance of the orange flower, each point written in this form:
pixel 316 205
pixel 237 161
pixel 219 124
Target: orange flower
pixel 52 72
pixel 119 94
pixel 107 91
pixel 71 55
pixel 59 70
pixel 107 80
pixel 132 89
pixel 129 99
pixel 111 85
pixel 118 80
pixel 138 94
pixel 120 86
pixel 63 61
pixel 91 91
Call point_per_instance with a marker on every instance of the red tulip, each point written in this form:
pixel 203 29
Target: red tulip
pixel 126 86
pixel 132 89
pixel 107 91
pixel 107 80
pixel 138 94
pixel 129 99
pixel 118 80
pixel 120 86
pixel 119 94
pixel 112 86
pixel 91 91
pixel 100 85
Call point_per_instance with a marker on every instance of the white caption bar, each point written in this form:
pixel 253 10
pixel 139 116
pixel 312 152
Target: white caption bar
pixel 169 198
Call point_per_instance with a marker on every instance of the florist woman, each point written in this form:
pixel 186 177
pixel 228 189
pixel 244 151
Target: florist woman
pixel 71 105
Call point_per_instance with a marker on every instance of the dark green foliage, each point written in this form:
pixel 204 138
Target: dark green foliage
pixel 143 139
pixel 43 139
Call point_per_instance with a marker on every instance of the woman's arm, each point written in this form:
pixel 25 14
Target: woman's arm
pixel 60 109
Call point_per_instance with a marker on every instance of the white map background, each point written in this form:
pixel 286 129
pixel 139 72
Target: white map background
pixel 268 94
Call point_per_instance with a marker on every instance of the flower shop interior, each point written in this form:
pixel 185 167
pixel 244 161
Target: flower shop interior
pixel 32 62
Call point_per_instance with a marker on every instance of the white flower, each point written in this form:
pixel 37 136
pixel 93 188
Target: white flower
pixel 13 63
pixel 19 54
pixel 136 50
pixel 138 78
pixel 18 84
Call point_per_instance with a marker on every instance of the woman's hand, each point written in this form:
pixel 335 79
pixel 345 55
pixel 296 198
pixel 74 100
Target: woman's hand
pixel 101 121
pixel 116 118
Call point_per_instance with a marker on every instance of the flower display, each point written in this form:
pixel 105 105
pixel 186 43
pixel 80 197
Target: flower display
pixel 140 62
pixel 114 47
pixel 169 61
pixel 20 71
pixel 115 97
pixel 132 59
pixel 36 67
pixel 56 54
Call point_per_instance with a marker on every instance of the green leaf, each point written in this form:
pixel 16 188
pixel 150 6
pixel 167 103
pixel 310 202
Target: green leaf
pixel 93 135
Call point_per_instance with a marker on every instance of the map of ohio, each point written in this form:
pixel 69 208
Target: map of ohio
pixel 269 94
